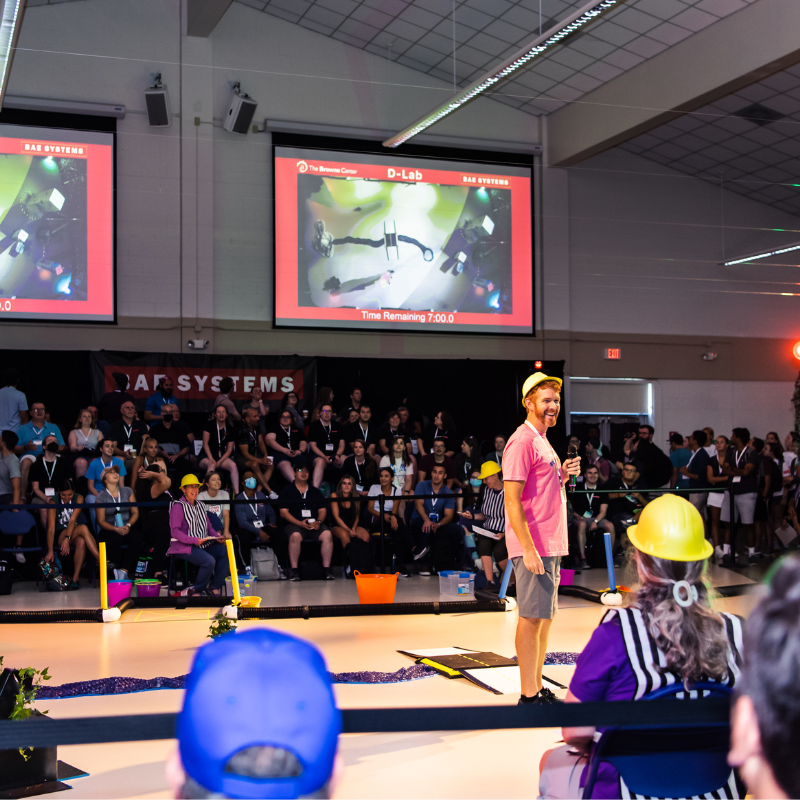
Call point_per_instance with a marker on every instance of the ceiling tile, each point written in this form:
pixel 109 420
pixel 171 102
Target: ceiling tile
pixel 671 150
pixel 720 7
pixel 507 100
pixel 279 12
pixel 612 33
pixel 694 19
pixel 746 164
pixel 780 192
pixel 647 141
pixel 477 58
pixel 781 81
pixel 441 74
pixel 298 8
pixel 637 20
pixel 699 162
pixel 493 7
pixel 602 71
pixel 570 58
pixel 592 47
pixel 669 34
pixel 734 125
pixel 565 93
pixel 534 81
pixel 489 44
pixel 305 22
pixel 347 39
pixel 507 32
pixel 645 46
pixel 717 153
pixel 444 8
pixel 369 15
pixel 324 16
pixel 712 133
pixel 789 146
pixel 463 32
pixel 773 175
pixel 741 145
pixel 345 7
pixel 769 155
pixel 764 136
pixel 757 93
pixel 424 55
pixel 582 82
pixel 419 16
pixel 525 20
pixel 472 17
pixel 785 104
pixel 551 69
pixel 687 122
pixel 390 7
pixel 441 44
pixel 413 63
pixel 405 29
pixel 359 30
pixel 623 59
pixel 257 4
pixel 663 9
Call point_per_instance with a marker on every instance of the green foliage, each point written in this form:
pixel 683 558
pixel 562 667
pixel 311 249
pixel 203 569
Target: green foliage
pixel 29 681
pixel 220 625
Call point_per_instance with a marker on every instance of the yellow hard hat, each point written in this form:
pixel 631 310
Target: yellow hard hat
pixel 489 468
pixel 190 480
pixel 671 528
pixel 535 380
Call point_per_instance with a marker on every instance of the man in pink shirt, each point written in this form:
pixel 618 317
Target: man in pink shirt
pixel 536 532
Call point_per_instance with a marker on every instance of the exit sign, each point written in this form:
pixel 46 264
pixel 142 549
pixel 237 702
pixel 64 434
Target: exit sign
pixel 612 353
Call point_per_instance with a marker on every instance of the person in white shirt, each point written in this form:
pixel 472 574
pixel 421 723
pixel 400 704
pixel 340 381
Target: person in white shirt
pixel 217 504
pixel 402 465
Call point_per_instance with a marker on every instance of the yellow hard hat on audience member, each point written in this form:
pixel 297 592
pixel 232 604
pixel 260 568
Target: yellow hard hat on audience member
pixel 190 480
pixel 534 380
pixel 671 528
pixel 489 468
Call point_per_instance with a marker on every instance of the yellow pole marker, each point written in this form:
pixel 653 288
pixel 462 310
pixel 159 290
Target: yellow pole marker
pixel 103 577
pixel 234 574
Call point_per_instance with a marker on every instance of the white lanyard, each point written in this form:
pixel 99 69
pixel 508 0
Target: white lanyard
pixel 357 470
pixel 364 432
pixel 116 500
pixel 590 498
pixel 104 465
pixel 288 432
pixel 219 435
pixel 327 431
pixel 738 457
pixel 689 463
pixel 38 431
pixel 255 507
pixel 434 501
pixel 128 430
pixel 49 471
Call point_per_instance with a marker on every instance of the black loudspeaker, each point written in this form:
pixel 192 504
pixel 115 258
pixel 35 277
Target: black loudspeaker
pixel 157 101
pixel 240 114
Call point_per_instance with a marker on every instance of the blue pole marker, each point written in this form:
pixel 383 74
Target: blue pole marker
pixel 506 579
pixel 612 578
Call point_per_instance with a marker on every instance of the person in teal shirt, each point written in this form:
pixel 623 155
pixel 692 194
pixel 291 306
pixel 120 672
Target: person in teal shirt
pixel 679 455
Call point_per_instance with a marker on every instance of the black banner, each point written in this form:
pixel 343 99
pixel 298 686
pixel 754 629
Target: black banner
pixel 196 377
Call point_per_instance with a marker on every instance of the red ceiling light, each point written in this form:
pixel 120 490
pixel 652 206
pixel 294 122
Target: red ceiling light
pixel 538 364
pixel 796 350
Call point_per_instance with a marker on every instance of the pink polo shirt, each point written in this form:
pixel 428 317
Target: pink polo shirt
pixel 529 457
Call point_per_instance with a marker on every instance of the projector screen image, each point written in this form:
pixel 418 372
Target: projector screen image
pixel 56 224
pixel 377 241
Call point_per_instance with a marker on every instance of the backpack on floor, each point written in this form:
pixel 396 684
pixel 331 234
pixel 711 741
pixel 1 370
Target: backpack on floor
pixel 264 564
pixel 54 580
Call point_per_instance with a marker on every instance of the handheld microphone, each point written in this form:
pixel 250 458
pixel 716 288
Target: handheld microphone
pixel 572 451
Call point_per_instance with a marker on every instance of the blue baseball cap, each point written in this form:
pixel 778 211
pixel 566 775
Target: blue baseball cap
pixel 258 688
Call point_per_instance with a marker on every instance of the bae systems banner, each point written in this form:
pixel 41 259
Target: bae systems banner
pixel 196 378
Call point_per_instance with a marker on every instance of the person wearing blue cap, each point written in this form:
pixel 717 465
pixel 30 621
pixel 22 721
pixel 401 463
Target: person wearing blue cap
pixel 259 720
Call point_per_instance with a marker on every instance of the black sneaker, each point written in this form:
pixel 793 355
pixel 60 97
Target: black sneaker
pixel 403 572
pixel 491 586
pixel 535 700
pixel 329 574
pixel 546 696
pixel 295 575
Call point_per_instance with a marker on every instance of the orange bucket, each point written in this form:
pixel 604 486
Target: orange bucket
pixel 376 588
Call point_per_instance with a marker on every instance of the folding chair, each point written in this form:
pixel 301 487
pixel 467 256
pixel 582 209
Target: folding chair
pixel 687 761
pixel 19 523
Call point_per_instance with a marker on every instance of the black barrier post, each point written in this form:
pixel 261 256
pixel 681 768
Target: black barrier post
pixel 381 508
pixel 732 523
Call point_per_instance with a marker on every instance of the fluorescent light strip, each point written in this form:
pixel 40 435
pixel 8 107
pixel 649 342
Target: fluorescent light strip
pixel 9 31
pixel 521 58
pixel 757 256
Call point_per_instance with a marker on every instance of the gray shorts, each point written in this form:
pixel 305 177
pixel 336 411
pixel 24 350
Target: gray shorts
pixel 744 506
pixel 537 595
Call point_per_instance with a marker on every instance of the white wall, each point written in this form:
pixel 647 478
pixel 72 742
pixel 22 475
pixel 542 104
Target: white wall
pixel 685 406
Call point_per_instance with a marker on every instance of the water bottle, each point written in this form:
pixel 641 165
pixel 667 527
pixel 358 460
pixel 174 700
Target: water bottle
pixel 248 573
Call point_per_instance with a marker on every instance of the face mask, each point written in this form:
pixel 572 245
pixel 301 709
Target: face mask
pixel 475 482
pixel 52 447
pixel 167 417
pixel 250 483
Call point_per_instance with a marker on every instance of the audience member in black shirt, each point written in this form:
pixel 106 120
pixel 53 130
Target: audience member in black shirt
pixel 625 505
pixel 467 460
pixel 354 404
pixel 590 511
pixel 361 468
pixel 47 474
pixel 286 445
pixel 363 429
pixel 110 405
pixel 325 444
pixel 252 451
pixel 387 433
pixel 438 456
pixel 152 483
pixel 443 428
pixel 218 444
pixel 128 433
pixel 696 470
pixel 172 436
pixel 304 519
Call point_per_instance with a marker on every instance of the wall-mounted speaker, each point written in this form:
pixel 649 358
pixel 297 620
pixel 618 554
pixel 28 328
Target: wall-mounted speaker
pixel 157 101
pixel 241 112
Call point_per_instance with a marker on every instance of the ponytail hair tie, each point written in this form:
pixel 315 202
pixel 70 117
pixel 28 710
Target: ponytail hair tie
pixel 691 594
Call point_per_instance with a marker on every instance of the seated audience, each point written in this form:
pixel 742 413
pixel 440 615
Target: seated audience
pixel 47 473
pixel 291 403
pixel 669 620
pixel 393 520
pixel 325 444
pixel 718 479
pixel 102 425
pixel 346 513
pixel 287 445
pixel 765 720
pixel 117 524
pixel 195 540
pixel 467 460
pixel 84 442
pixel 490 514
pixel 252 451
pixel 499 446
pixel 324 397
pixel 363 429
pixel 218 444
pixel 594 456
pixel 304 520
pixel 217 503
pixel 438 456
pixel 445 428
pixel 402 464
pixel 153 483
pixel 147 456
pixel 361 467
pixel 96 469
pixel 271 732
pixel 388 432
pixel 432 526
pixel 625 504
pixel 257 522
pixel 110 406
pixel 69 524
pixel 256 402
pixel 30 438
pixel 174 443
pixel 128 433
pixel 10 481
pixel 154 407
pixel 222 399
pixel 590 512
pixel 353 405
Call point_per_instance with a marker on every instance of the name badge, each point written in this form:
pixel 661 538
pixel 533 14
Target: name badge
pixel 737 479
pixel 37 442
pixel 630 498
pixel 359 487
pixel 127 448
pixel 49 492
pixel 306 513
pixel 433 517
pixel 587 514
pixel 329 447
pixel 257 523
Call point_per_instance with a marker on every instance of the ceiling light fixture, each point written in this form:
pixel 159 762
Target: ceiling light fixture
pixel 762 254
pixel 10 23
pixel 547 41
